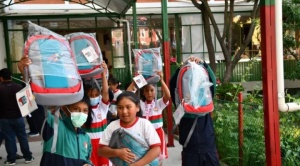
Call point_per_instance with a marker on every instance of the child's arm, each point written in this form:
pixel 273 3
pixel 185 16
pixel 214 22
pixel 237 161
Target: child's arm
pixel 124 153
pixel 104 93
pixel 24 62
pixel 150 156
pixel 164 88
pixel 131 87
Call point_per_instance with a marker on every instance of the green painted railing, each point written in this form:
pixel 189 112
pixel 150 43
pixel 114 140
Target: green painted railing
pixel 244 71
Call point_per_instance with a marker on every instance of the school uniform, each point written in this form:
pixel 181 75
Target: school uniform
pixel 153 112
pixel 99 123
pixel 65 146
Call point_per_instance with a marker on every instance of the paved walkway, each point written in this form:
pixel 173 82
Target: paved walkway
pixel 36 148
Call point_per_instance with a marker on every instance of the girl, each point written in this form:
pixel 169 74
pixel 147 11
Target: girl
pixel 98 123
pixel 152 110
pixel 128 107
pixel 113 84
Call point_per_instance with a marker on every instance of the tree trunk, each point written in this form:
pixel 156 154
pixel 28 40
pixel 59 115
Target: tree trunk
pixel 208 39
pixel 228 73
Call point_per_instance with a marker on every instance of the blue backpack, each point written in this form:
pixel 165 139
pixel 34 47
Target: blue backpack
pixel 53 76
pixel 123 138
pixel 148 62
pixel 192 90
pixel 80 41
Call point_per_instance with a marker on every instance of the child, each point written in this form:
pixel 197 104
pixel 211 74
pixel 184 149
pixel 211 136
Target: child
pixel 201 147
pixel 113 84
pixel 152 110
pixel 128 107
pixel 72 145
pixel 65 143
pixel 100 104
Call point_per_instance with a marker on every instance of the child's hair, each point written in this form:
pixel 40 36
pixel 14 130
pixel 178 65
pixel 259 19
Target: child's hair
pixel 143 98
pixel 132 97
pixel 114 81
pixel 110 95
pixel 5 74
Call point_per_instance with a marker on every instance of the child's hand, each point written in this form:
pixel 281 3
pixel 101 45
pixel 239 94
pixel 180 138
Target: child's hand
pixel 104 65
pixel 195 59
pixel 126 155
pixel 161 75
pixel 24 61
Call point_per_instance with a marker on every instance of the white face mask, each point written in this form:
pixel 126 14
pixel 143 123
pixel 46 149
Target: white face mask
pixel 78 118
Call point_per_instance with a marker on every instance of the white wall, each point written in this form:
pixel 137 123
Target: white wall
pixel 2 48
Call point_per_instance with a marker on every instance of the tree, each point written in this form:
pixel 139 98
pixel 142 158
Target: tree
pixel 225 40
pixel 291 26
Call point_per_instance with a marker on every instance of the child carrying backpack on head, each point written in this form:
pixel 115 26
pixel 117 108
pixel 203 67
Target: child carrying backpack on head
pixel 199 147
pixel 65 143
pixel 97 124
pixel 152 109
pixel 128 108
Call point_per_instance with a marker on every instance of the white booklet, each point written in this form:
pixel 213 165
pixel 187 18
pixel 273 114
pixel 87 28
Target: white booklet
pixel 26 101
pixel 140 81
pixel 178 114
pixel 90 54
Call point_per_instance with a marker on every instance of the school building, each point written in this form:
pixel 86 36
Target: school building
pixel 109 21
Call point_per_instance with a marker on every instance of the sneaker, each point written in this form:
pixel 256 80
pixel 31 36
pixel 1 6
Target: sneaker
pixel 27 161
pixel 9 163
pixel 0 157
pixel 19 156
pixel 30 134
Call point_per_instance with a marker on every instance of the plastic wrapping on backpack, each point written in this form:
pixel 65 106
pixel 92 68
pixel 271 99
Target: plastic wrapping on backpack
pixel 53 74
pixel 87 53
pixel 193 89
pixel 199 86
pixel 147 63
pixel 123 138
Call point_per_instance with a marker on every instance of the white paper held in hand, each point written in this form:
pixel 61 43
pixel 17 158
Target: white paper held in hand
pixel 178 114
pixel 90 54
pixel 26 101
pixel 139 81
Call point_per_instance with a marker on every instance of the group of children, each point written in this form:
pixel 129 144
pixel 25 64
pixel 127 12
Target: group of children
pixel 79 134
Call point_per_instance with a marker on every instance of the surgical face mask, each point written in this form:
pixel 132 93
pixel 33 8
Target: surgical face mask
pixel 78 118
pixel 95 101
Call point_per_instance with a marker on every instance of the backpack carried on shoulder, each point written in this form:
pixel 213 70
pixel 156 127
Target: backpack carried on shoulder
pixel 148 62
pixel 53 76
pixel 193 89
pixel 123 138
pixel 83 46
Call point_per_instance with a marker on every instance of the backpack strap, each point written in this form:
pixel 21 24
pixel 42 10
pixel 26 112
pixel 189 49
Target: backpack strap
pixel 55 130
pixel 190 133
pixel 96 82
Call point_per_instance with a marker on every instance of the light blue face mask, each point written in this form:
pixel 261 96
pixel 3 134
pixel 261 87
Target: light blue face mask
pixel 95 101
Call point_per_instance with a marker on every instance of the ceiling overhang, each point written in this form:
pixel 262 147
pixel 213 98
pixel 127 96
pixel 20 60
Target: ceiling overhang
pixel 118 7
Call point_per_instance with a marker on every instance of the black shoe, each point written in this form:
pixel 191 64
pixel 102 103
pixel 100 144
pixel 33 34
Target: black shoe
pixel 30 134
pixel 9 163
pixel 19 156
pixel 0 157
pixel 27 161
